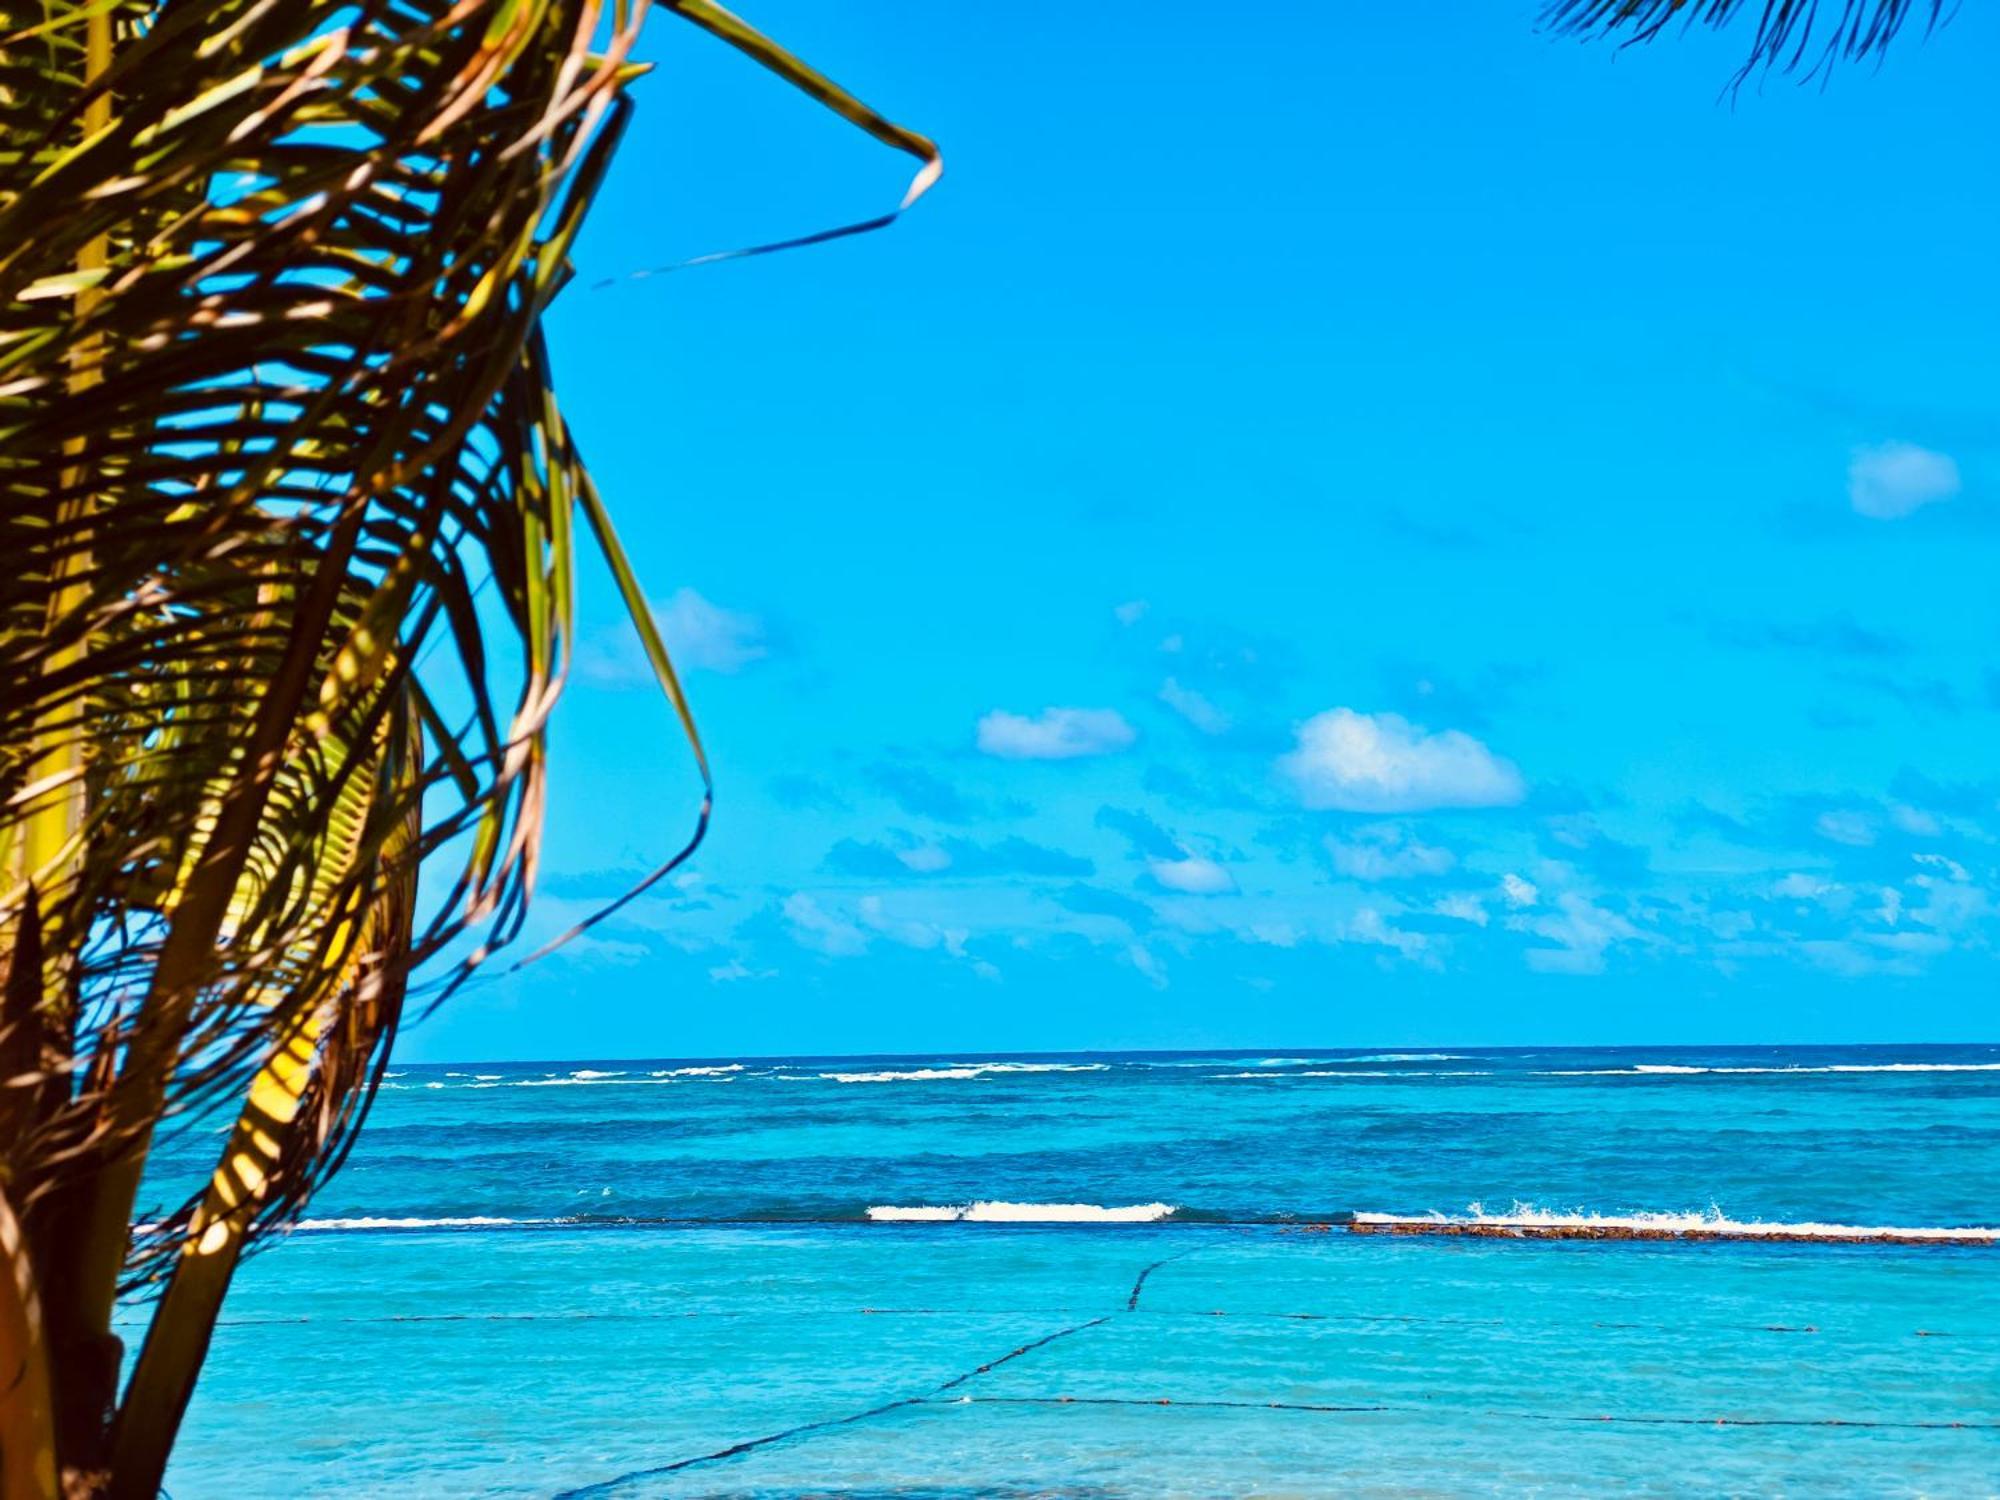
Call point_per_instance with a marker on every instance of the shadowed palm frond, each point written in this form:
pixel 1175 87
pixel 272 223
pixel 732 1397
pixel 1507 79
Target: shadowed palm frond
pixel 291 520
pixel 1790 35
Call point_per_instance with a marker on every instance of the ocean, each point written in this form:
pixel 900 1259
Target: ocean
pixel 1134 1275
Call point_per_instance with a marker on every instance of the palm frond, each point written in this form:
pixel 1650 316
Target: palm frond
pixel 1790 35
pixel 291 516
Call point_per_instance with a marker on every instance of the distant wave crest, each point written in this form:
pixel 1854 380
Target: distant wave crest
pixel 384 1221
pixel 1388 1057
pixel 987 1212
pixel 962 1070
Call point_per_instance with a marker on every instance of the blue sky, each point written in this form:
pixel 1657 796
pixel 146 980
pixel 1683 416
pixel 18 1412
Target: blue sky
pixel 1361 528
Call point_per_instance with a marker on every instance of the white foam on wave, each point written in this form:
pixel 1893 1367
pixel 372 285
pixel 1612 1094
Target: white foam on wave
pixel 370 1221
pixel 1709 1224
pixel 960 1070
pixel 995 1212
pixel 1400 1057
pixel 710 1072
pixel 1364 1073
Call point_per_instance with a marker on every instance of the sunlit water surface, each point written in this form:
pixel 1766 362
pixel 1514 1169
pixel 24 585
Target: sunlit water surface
pixel 1100 1276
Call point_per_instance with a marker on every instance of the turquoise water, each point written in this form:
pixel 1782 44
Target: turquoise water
pixel 1101 1278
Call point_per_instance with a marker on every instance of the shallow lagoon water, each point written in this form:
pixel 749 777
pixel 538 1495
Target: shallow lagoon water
pixel 690 1270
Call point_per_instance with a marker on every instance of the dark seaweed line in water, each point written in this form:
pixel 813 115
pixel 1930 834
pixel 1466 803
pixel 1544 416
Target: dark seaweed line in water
pixel 936 1395
pixel 610 1486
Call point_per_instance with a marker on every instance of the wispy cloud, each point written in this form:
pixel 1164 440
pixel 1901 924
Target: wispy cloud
pixel 1193 707
pixel 1054 734
pixel 1581 931
pixel 1011 856
pixel 815 927
pixel 735 971
pixel 1837 635
pixel 1192 875
pixel 700 636
pixel 1891 480
pixel 1383 851
pixel 1382 763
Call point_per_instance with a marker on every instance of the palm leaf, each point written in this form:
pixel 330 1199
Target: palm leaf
pixel 1789 35
pixel 291 516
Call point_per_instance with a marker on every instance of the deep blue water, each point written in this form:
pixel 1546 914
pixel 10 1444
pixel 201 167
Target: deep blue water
pixel 532 1278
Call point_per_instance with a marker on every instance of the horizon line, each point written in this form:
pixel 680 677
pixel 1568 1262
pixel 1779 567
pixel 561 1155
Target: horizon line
pixel 1011 1054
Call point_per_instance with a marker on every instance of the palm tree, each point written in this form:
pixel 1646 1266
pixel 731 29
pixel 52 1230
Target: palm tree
pixel 290 527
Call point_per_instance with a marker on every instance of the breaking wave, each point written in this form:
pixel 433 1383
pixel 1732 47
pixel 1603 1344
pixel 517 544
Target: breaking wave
pixel 986 1212
pixel 374 1221
pixel 960 1070
pixel 1400 1057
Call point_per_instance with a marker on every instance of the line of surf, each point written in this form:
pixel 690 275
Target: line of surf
pixel 1531 1223
pixel 995 1212
pixel 1521 1224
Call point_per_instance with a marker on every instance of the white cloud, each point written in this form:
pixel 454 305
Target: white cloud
pixel 1192 875
pixel 1193 707
pixel 736 969
pixel 1890 480
pixel 700 637
pixel 1852 828
pixel 1914 820
pixel 910 932
pixel 1054 734
pixel 1382 852
pixel 1463 908
pixel 706 637
pixel 1583 932
pixel 1798 887
pixel 1368 926
pixel 1383 763
pixel 1130 612
pixel 814 927
pixel 1518 892
pixel 1952 868
pixel 925 859
pixel 1147 965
